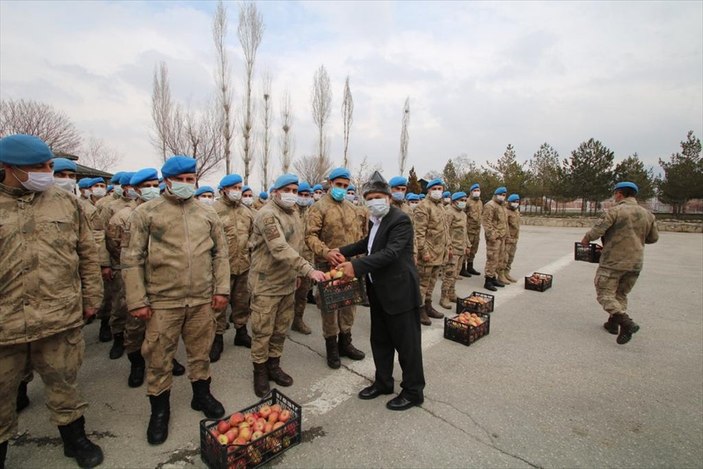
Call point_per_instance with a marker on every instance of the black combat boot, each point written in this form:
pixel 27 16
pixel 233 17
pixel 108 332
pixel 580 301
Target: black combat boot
pixel 178 369
pixel 242 338
pixel 471 269
pixel 204 401
pixel 157 432
pixel 216 349
pixel 424 318
pixel 431 312
pixel 347 349
pixel 611 325
pixel 488 284
pixel 22 398
pixel 136 370
pixel 3 454
pixel 105 335
pixel 117 349
pixel 77 445
pixel 464 272
pixel 261 379
pixel 311 298
pixel 627 328
pixel 276 374
pixel 332 352
pixel 497 282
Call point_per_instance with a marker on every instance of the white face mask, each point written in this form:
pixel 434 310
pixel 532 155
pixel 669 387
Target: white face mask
pixel 288 199
pixel 461 205
pixel 413 205
pixel 207 201
pixel 248 201
pixel 234 196
pixel 316 196
pixel 514 204
pixel 99 192
pixel 500 198
pixel 398 196
pixel 436 194
pixel 132 194
pixel 149 193
pixel 182 190
pixel 446 200
pixel 378 207
pixel 67 184
pixel 304 201
pixel 350 197
pixel 476 194
pixel 37 181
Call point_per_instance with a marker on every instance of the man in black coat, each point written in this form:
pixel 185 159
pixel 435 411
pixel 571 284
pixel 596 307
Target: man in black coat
pixel 393 288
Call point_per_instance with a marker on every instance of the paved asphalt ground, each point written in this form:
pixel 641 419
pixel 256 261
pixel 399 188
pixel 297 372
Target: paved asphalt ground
pixel 547 388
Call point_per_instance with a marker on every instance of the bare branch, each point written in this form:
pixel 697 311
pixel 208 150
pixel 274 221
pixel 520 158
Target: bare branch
pixel 321 106
pixel 312 168
pixel 223 81
pixel 96 154
pixel 347 118
pixel 404 137
pixel 266 121
pixel 286 142
pixel 161 111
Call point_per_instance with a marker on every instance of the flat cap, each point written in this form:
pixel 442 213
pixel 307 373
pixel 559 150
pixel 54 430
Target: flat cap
pixel 20 150
pixel 178 164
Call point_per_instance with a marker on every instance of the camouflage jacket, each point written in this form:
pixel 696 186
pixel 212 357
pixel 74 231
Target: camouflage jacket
pixel 474 210
pixel 258 203
pixel 49 271
pixel 106 200
pixel 115 231
pixel 303 214
pixel 495 220
pixel 277 242
pixel 331 225
pixel 431 234
pixel 404 207
pixel 456 224
pixel 625 229
pixel 362 214
pixel 238 222
pixel 513 225
pixel 98 229
pixel 174 254
pixel 106 212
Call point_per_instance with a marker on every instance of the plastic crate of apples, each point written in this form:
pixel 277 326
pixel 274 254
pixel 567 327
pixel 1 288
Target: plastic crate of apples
pixel 466 328
pixel 337 292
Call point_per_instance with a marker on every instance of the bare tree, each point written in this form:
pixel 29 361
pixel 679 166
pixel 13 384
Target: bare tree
pixel 312 168
pixel 347 118
pixel 223 80
pixel 321 105
pixel 404 137
pixel 364 172
pixel 286 142
pixel 41 120
pixel 161 110
pixel 96 154
pixel 266 138
pixel 251 31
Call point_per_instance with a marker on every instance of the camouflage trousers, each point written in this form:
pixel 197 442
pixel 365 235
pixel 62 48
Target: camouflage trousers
pixel 196 325
pixel 57 359
pixel 134 332
pixel 271 317
pixel 301 295
pixel 612 287
pixel 428 278
pixel 474 240
pixel 510 248
pixel 495 256
pixel 106 307
pixel 449 276
pixel 239 302
pixel 118 310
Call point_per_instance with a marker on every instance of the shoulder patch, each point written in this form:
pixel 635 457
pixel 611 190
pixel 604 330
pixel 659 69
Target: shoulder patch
pixel 271 232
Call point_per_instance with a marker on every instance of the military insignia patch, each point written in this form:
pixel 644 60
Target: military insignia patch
pixel 271 232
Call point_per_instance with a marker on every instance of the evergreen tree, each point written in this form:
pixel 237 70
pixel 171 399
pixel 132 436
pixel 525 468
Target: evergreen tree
pixel 545 174
pixel 683 175
pixel 451 178
pixel 510 173
pixel 413 183
pixel 589 172
pixel 632 169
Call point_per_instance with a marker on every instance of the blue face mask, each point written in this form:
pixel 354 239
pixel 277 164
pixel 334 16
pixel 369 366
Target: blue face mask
pixel 338 193
pixel 398 196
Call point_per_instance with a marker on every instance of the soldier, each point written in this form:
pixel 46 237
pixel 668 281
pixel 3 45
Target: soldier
pixel 495 229
pixel 303 202
pixel 110 190
pixel 456 224
pixel 625 229
pixel 205 194
pixel 183 249
pixel 237 220
pixel 276 243
pixel 84 189
pixel 247 197
pixel 351 193
pixel 317 192
pixel 47 293
pixel 263 197
pixel 98 189
pixel 413 202
pixel 474 210
pixel 399 186
pixel 513 213
pixel 333 223
pixel 433 246
pixel 446 198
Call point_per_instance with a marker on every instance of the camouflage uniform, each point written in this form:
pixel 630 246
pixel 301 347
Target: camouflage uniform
pixel 174 259
pixel 331 225
pixel 44 291
pixel 511 240
pixel 258 203
pixel 362 214
pixel 301 293
pixel 432 239
pixel 456 225
pixel 474 210
pixel 495 230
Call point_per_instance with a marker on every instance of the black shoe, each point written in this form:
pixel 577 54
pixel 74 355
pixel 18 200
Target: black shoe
pixel 488 284
pixel 136 370
pixel 242 338
pixel 611 326
pixel 400 402
pixel 464 272
pixel 3 454
pixel 276 374
pixel 497 282
pixel 178 369
pixel 471 269
pixel 77 445
pixel 157 432
pixel 22 398
pixel 627 328
pixel 105 335
pixel 431 312
pixel 372 392
pixel 216 349
pixel 261 379
pixel 332 352
pixel 117 349
pixel 204 401
pixel 347 349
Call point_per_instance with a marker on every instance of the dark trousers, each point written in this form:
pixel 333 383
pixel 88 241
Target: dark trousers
pixel 399 332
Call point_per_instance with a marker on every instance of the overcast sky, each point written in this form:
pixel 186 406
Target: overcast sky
pixel 479 75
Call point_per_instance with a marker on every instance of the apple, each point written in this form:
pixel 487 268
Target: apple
pixel 278 425
pixel 240 441
pixel 268 428
pixel 223 439
pixel 259 425
pixel 256 435
pixel 223 426
pixel 273 417
pixel 243 425
pixel 232 434
pixel 236 419
pixel 250 419
pixel 265 411
pixel 276 408
pixel 285 416
pixel 245 433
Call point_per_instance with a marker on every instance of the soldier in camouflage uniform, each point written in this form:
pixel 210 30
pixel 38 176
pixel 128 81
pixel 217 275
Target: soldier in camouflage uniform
pixel 433 246
pixel 205 195
pixel 261 201
pixel 176 274
pixel 399 186
pixel 625 229
pixel 456 224
pixel 238 221
pixel 474 210
pixel 98 190
pixel 303 202
pixel 333 223
pixel 248 198
pixel 114 194
pixel 495 229
pixel 276 243
pixel 47 292
pixel 513 213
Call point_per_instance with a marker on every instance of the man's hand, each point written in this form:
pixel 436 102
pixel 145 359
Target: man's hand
pixel 348 269
pixel 219 302
pixel 89 314
pixel 107 273
pixel 585 242
pixel 142 313
pixel 317 276
pixel 334 257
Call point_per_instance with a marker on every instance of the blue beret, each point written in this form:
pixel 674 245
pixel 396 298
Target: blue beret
pixel 398 181
pixel 514 198
pixel 407 196
pixel 230 180
pixel 20 150
pixel 627 185
pixel 285 180
pixel 421 196
pixel 178 165
pixel 304 187
pixel 203 189
pixel 263 195
pixel 413 197
pixel 84 183
pixel 143 175
pixel 245 189
pixel 64 164
pixel 94 181
pixel 116 177
pixel 110 187
pixel 435 182
pixel 317 187
pixel 351 187
pixel 446 194
pixel 125 178
pixel 340 173
pixel 474 186
pixel 458 195
pixel 501 190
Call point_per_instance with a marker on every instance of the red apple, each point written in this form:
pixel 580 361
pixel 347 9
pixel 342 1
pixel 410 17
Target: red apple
pixel 256 435
pixel 250 419
pixel 265 411
pixel 276 408
pixel 236 419
pixel 273 417
pixel 243 425
pixel 268 428
pixel 259 425
pixel 232 434
pixel 223 439
pixel 240 441
pixel 278 425
pixel 245 433
pixel 285 416
pixel 223 426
